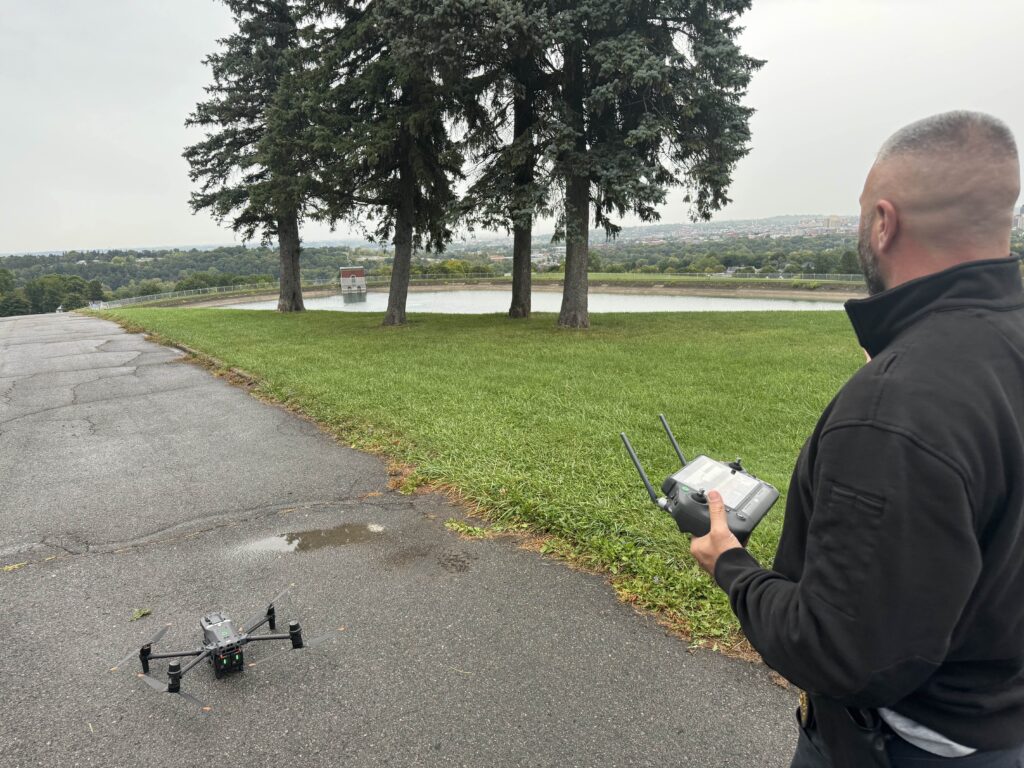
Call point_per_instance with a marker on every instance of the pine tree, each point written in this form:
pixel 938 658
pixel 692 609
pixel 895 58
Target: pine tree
pixel 388 99
pixel 650 98
pixel 252 163
pixel 510 41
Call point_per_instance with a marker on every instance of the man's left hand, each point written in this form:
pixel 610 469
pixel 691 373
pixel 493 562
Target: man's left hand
pixel 706 549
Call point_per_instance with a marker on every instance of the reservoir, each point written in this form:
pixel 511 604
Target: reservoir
pixel 482 302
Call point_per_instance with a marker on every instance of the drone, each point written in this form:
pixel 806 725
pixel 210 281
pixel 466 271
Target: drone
pixel 222 647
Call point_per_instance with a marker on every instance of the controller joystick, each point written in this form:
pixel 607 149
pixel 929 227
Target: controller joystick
pixel 700 497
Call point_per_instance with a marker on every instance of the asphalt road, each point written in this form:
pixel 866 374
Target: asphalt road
pixel 131 480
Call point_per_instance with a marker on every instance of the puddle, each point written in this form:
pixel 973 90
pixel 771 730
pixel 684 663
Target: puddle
pixel 303 541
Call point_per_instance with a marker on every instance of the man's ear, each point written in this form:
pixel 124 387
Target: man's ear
pixel 886 227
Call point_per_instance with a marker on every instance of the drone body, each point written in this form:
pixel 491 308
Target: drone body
pixel 223 642
pixel 222 646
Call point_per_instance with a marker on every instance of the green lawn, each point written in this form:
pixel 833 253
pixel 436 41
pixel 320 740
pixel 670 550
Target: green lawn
pixel 524 418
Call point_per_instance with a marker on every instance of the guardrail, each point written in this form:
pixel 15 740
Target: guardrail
pixel 375 280
pixel 381 280
pixel 268 287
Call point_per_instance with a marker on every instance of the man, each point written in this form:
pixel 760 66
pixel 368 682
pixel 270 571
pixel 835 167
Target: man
pixel 896 599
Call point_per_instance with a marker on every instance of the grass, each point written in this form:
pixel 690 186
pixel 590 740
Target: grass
pixel 523 419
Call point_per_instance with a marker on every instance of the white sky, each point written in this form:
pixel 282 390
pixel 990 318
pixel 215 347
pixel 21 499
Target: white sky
pixel 95 94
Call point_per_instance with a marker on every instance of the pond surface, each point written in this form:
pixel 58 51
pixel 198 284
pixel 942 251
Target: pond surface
pixel 490 301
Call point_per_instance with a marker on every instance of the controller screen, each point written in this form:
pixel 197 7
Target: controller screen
pixel 711 475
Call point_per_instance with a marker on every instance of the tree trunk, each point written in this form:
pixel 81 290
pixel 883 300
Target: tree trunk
pixel 404 220
pixel 577 249
pixel 290 297
pixel 522 269
pixel 577 201
pixel 522 246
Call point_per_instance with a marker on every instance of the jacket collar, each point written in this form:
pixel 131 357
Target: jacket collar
pixel 879 319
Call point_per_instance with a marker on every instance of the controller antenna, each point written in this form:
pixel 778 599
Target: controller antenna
pixel 643 475
pixel 672 439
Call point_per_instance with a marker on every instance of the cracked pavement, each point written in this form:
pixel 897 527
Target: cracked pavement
pixel 133 480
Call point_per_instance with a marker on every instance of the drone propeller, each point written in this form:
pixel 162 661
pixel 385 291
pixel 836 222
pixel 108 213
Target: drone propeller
pixel 160 633
pixel 152 682
pixel 313 643
pixel 247 626
pixel 160 686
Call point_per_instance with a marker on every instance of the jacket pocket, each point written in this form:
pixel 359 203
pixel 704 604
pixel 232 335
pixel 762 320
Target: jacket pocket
pixel 842 547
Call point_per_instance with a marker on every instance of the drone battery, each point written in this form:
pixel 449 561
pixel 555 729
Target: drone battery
pixel 229 659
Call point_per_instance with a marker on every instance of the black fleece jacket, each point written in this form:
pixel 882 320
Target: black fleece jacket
pixel 899 577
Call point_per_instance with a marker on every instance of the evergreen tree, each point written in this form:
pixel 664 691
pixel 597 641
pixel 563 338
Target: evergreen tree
pixel 848 263
pixel 389 91
pixel 14 303
pixel 251 164
pixel 511 45
pixel 649 98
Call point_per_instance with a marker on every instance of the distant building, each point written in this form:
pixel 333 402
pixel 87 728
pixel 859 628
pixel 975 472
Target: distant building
pixel 833 222
pixel 352 281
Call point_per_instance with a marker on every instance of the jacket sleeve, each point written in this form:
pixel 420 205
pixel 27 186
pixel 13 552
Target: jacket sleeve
pixel 891 561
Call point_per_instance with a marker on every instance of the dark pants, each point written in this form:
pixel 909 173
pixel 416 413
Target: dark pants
pixel 810 753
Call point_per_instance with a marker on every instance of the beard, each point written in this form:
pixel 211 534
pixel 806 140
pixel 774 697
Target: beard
pixel 869 259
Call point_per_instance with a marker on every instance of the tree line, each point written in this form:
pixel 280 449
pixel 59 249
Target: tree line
pixel 93 276
pixel 47 293
pixel 411 118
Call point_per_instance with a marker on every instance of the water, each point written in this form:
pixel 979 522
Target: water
pixel 302 541
pixel 489 301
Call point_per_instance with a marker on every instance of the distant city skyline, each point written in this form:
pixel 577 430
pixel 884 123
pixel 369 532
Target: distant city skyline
pixel 97 95
pixel 791 224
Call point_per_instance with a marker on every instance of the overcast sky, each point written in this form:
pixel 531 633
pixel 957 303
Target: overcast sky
pixel 94 96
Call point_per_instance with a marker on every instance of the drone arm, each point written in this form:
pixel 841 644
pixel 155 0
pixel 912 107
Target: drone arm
pixel 294 634
pixel 198 658
pixel 251 638
pixel 172 655
pixel 268 618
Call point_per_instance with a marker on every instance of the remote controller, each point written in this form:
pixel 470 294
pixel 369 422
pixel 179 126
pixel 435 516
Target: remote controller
pixel 747 499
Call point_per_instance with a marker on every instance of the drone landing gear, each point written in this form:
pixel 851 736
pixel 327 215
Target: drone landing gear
pixel 174 674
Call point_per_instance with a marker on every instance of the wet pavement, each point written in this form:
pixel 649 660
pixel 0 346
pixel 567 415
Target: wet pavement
pixel 134 481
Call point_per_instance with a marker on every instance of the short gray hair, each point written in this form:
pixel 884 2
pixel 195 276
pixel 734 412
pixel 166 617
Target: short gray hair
pixel 952 131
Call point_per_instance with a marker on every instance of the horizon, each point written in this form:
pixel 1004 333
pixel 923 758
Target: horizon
pixel 486 237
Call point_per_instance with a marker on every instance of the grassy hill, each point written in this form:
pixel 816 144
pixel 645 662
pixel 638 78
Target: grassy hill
pixel 523 419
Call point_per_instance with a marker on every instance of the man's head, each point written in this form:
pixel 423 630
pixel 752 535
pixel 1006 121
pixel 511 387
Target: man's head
pixel 941 192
